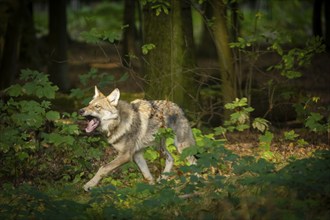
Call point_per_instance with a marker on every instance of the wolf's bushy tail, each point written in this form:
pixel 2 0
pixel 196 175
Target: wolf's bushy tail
pixel 183 135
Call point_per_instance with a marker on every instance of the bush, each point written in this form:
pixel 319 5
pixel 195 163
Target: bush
pixel 38 142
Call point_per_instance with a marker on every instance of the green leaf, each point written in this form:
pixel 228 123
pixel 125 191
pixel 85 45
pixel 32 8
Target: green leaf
pixel 313 122
pixel 91 36
pixel 58 139
pixel 15 90
pixel 52 115
pixel 260 124
pixel 302 143
pixel 290 74
pixel 268 155
pixel 151 155
pixel 77 93
pixel 37 84
pixel 242 127
pixel 266 140
pixel 239 117
pixel 22 155
pixel 147 47
pixel 9 137
pixel 220 130
pixel 71 129
pixel 189 151
pixel 290 135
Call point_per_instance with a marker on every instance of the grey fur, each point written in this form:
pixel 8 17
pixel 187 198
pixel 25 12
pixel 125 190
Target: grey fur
pixel 130 127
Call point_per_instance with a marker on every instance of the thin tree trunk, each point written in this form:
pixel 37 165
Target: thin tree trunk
pixel 327 24
pixel 58 44
pixel 225 56
pixel 235 21
pixel 129 33
pixel 206 46
pixel 317 21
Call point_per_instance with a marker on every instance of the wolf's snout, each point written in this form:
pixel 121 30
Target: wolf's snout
pixel 81 111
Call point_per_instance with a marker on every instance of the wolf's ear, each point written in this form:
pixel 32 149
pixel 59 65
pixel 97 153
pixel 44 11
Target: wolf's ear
pixel 97 93
pixel 114 97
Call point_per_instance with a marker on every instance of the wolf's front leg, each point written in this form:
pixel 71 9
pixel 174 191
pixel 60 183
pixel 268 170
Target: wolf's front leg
pixel 104 170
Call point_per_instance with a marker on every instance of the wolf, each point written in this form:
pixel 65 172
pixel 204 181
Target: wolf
pixel 131 127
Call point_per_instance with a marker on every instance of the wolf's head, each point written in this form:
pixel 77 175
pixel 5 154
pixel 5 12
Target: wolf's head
pixel 102 109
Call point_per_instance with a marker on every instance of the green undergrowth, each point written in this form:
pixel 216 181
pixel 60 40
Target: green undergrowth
pixel 46 158
pixel 251 189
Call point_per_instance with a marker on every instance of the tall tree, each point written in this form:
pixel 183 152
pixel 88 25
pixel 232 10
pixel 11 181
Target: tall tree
pixel 13 34
pixel 169 66
pixel 129 45
pixel 318 24
pixel 58 44
pixel 234 20
pixel 317 18
pixel 225 56
pixel 327 24
pixel 206 47
pixel 29 53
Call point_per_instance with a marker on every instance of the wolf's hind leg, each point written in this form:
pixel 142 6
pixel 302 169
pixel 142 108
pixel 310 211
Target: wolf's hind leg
pixel 142 164
pixel 169 160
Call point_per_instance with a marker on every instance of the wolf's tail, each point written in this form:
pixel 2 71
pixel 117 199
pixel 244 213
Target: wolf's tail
pixel 183 135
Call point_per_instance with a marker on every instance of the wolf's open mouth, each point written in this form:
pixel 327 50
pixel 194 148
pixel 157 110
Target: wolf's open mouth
pixel 93 123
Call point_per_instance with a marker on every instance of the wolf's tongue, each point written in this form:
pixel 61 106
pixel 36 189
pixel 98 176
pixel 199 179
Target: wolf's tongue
pixel 92 124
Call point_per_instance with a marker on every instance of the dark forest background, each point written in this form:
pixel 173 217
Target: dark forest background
pixel 184 52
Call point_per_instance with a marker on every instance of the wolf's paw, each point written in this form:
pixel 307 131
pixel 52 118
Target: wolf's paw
pixel 88 186
pixel 163 177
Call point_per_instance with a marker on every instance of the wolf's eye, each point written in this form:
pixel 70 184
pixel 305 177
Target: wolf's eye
pixel 97 106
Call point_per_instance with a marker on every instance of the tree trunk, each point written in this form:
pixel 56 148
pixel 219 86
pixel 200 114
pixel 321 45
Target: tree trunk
pixel 235 21
pixel 327 24
pixel 317 21
pixel 29 53
pixel 157 62
pixel 207 47
pixel 58 44
pixel 9 62
pixel 169 67
pixel 129 33
pixel 226 63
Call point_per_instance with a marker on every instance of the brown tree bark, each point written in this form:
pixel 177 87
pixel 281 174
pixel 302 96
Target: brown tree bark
pixel 170 66
pixel 225 56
